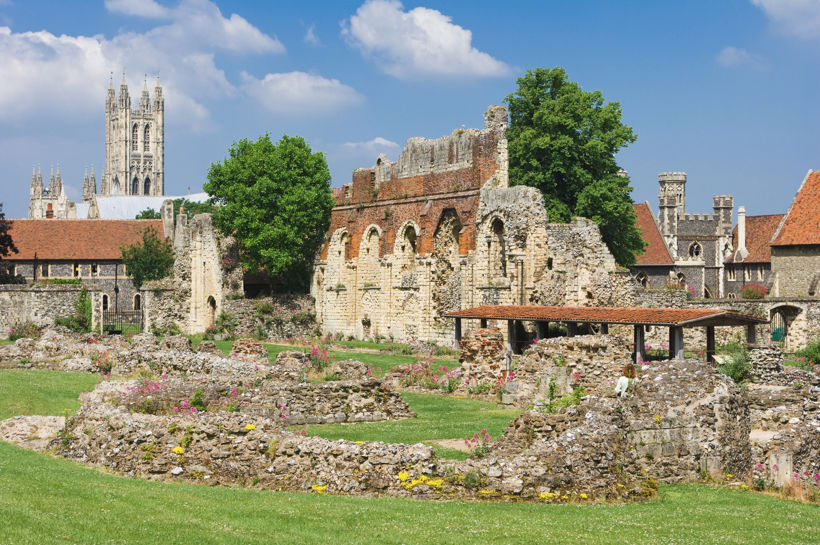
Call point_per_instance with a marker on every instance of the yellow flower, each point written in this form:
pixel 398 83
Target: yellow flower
pixel 436 483
pixel 729 475
pixel 319 488
pixel 403 476
pixel 583 496
pixel 620 485
pixel 249 427
pixel 178 450
pixel 744 487
pixel 359 442
pixel 564 497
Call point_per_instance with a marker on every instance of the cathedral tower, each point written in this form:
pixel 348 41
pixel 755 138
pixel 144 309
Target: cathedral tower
pixel 134 143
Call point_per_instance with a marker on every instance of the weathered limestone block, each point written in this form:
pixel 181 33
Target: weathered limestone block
pixel 250 349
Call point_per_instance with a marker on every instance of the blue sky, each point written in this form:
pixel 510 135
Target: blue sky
pixel 726 91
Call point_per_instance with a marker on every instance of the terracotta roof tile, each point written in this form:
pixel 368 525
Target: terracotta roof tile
pixel 61 239
pixel 612 315
pixel 759 231
pixel 802 222
pixel 655 252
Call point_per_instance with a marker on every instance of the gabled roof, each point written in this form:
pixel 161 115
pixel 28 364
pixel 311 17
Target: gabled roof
pixel 64 239
pixel 655 252
pixel 759 231
pixel 685 317
pixel 802 222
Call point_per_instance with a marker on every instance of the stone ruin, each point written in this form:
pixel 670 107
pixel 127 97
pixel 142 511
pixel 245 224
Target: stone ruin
pixel 441 230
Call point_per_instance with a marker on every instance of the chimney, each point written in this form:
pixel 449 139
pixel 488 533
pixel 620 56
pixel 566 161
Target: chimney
pixel 741 235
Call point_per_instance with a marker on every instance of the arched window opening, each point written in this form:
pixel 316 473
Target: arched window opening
pixel 732 296
pixel 134 136
pixel 706 293
pixel 495 246
pixel 549 263
pixel 116 188
pixel 642 279
pixel 211 310
pixel 147 186
pixel 682 279
pixel 105 302
pixel 146 139
pixel 135 186
pixel 137 302
pixel 695 249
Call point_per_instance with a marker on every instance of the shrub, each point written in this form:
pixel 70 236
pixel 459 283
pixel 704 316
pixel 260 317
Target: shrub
pixel 24 329
pixel 303 318
pixel 737 367
pixel 753 291
pixel 811 353
pixel 80 321
pixel 265 307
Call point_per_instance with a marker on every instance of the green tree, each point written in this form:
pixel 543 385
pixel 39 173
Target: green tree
pixel 563 141
pixel 7 247
pixel 150 259
pixel 276 200
pixel 149 214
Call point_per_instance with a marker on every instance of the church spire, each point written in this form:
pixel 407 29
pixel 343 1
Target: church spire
pixel 145 100
pixel 125 99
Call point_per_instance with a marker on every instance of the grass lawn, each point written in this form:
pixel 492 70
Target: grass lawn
pixel 45 500
pixel 439 417
pixel 376 360
pixel 25 391
pixel 5 341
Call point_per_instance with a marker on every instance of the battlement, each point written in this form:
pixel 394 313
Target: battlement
pixel 699 217
pixel 672 177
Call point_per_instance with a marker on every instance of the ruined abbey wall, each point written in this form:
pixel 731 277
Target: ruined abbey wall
pixel 441 230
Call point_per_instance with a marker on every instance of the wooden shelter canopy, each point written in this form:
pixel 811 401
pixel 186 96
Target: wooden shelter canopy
pixel 672 317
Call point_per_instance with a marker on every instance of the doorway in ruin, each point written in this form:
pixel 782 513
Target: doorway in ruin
pixel 780 321
pixel 211 311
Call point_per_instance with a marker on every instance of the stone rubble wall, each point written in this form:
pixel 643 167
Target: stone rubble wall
pixel 680 417
pixel 39 304
pixel 292 316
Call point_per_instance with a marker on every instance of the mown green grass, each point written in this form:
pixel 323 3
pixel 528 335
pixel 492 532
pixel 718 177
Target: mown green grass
pixel 45 500
pixel 439 417
pixel 5 341
pixel 24 391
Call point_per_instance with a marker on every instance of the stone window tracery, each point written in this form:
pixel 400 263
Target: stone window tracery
pixel 730 273
pixel 146 140
pixel 695 249
pixel 134 135
pixel 135 186
pixel 642 279
pixel 147 188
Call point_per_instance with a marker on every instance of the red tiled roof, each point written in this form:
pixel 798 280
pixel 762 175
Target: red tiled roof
pixel 759 231
pixel 610 315
pixel 802 222
pixel 655 251
pixel 60 239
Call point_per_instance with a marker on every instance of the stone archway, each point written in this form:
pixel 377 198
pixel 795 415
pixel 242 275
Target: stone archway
pixel 781 319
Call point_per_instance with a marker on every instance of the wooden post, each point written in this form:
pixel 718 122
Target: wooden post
pixel 541 329
pixel 483 322
pixel 511 335
pixel 604 329
pixel 751 333
pixel 458 333
pixel 675 343
pixel 710 343
pixel 638 344
pixel 572 329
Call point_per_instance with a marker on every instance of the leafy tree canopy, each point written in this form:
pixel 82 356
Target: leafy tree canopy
pixel 7 247
pixel 563 140
pixel 151 259
pixel 276 200
pixel 191 208
pixel 149 214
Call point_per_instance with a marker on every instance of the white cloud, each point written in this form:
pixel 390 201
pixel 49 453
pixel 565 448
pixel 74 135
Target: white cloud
pixel 420 43
pixel 140 8
pixel 736 57
pixel 299 92
pixel 371 147
pixel 798 17
pixel 310 36
pixel 46 75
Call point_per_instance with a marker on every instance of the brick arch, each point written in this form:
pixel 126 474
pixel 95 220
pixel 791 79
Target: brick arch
pixel 406 246
pixel 369 253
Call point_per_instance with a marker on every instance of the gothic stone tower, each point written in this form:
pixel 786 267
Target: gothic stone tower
pixel 134 144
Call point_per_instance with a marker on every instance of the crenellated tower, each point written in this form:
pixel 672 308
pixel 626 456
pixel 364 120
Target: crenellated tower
pixel 134 143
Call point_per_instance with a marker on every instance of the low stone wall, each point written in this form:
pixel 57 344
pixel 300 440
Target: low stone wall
pixel 279 316
pixel 288 403
pixel 39 304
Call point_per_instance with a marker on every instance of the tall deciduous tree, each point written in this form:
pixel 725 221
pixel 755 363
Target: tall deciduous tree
pixel 7 247
pixel 151 259
pixel 275 200
pixel 563 141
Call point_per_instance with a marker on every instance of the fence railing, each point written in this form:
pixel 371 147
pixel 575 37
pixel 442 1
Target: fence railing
pixel 122 322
